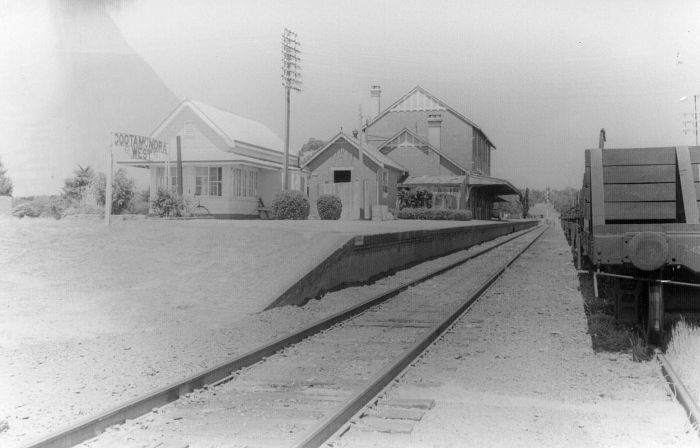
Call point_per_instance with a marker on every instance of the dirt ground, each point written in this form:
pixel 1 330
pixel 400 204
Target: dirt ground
pixel 519 371
pixel 93 316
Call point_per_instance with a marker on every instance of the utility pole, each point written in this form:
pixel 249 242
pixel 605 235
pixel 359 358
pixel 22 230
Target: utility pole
pixel 291 77
pixel 692 125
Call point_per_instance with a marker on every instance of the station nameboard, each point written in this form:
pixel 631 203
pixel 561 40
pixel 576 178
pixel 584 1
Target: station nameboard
pixel 139 147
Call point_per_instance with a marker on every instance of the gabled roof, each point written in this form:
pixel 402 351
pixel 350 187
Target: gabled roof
pixel 423 142
pixel 231 127
pixel 379 158
pixel 419 99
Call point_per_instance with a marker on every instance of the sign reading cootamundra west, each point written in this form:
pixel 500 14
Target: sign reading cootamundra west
pixel 139 147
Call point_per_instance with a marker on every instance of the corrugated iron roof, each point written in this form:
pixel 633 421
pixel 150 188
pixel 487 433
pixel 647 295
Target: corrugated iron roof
pixel 231 127
pixel 238 128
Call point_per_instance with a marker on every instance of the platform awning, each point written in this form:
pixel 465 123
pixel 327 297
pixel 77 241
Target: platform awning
pixel 491 185
pixel 434 180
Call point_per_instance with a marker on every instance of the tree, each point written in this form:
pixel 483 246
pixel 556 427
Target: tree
pixel 75 187
pixel 5 182
pixel 512 207
pixel 525 201
pixel 123 190
pixel 309 148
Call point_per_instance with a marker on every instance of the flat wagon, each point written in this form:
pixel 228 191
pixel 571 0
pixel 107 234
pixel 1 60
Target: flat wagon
pixel 636 225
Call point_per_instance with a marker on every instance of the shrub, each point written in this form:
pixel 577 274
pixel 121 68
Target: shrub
pixel 167 203
pixel 434 213
pixel 329 206
pixel 42 206
pixel 417 198
pixel 290 204
pixel 76 187
pixel 139 203
pixel 28 209
pixel 123 190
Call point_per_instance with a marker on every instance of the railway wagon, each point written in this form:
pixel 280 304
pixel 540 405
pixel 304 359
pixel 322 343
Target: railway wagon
pixel 638 229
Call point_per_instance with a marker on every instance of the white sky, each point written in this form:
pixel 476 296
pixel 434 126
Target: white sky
pixel 539 77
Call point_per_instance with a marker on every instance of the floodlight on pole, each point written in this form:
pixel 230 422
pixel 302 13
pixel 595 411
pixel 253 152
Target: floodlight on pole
pixel 693 122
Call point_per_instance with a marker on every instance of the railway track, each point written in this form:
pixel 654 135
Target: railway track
pixel 303 394
pixel 679 391
pixel 234 397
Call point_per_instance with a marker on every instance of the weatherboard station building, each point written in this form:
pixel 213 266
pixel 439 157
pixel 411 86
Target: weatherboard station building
pixel 229 163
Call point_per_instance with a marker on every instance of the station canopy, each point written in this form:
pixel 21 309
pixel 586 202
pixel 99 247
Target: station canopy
pixel 492 185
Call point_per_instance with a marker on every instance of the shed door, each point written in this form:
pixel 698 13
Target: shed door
pixel 344 188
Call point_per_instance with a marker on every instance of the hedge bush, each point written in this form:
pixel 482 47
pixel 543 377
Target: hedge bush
pixel 42 206
pixel 417 198
pixel 123 190
pixel 167 203
pixel 329 206
pixel 290 204
pixel 435 213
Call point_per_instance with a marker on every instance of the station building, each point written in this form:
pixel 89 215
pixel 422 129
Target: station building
pixel 442 150
pixel 229 163
pixel 421 142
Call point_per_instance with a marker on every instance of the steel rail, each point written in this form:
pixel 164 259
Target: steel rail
pixel 679 390
pixel 95 425
pixel 334 422
pixel 642 279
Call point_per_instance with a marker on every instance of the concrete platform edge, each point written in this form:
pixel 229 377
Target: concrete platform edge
pixel 365 257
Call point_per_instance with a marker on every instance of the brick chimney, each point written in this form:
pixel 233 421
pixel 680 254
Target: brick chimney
pixel 435 130
pixel 376 93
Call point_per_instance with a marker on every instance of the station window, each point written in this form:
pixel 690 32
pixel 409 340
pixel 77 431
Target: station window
pixel 207 181
pixel 245 183
pixel 161 180
pixel 385 181
pixel 342 176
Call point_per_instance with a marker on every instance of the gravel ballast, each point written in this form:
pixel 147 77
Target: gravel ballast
pixel 519 370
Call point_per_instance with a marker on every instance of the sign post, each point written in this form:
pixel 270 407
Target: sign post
pixel 136 147
pixel 108 186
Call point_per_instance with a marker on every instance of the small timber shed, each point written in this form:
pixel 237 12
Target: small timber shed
pixel 361 176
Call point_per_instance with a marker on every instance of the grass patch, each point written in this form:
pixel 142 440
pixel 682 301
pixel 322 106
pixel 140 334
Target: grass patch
pixel 683 351
pixel 607 335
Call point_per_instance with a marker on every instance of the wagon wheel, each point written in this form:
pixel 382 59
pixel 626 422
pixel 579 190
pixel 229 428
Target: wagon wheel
pixel 655 324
